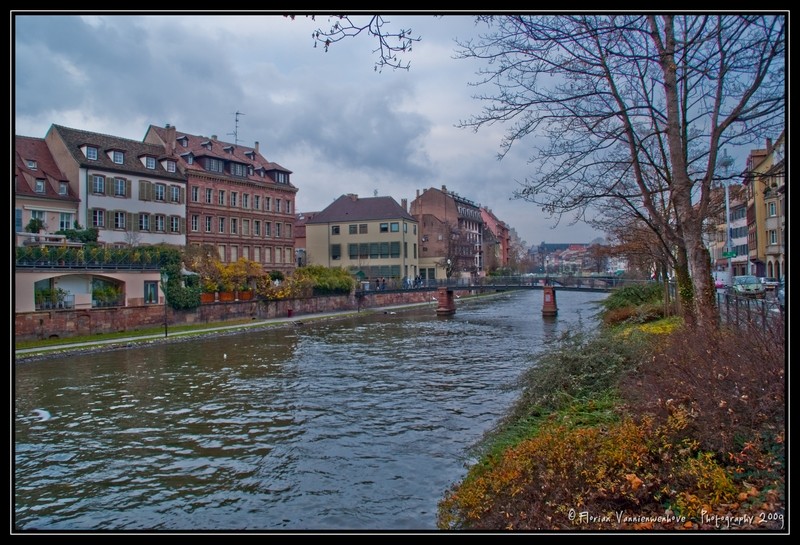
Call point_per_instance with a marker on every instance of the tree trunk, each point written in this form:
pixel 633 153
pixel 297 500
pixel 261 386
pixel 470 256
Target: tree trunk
pixel 705 295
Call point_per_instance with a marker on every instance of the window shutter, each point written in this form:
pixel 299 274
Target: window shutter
pixel 128 188
pixel 183 195
pixel 109 186
pixel 130 222
pixel 183 226
pixel 143 190
pixel 108 217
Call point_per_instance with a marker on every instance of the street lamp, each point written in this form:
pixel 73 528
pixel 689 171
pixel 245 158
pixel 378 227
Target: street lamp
pixel 164 280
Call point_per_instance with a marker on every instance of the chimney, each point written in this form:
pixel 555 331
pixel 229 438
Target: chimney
pixel 353 197
pixel 169 139
pixel 256 148
pixel 444 188
pixel 769 144
pixel 404 204
pixel 214 137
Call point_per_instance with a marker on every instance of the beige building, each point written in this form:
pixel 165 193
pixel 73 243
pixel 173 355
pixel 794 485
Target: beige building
pixel 374 238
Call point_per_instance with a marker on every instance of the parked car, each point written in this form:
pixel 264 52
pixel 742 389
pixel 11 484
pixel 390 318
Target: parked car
pixel 769 282
pixel 748 286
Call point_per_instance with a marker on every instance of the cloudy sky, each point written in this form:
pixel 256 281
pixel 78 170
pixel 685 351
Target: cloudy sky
pixel 330 118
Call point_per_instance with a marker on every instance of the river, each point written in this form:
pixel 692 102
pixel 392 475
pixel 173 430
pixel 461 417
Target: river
pixel 359 423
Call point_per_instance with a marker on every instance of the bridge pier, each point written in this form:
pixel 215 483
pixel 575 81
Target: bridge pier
pixel 549 308
pixel 447 303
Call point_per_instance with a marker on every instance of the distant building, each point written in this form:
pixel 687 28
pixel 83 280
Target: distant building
pixel 451 228
pixel 237 200
pixel 496 242
pixel 131 191
pixel 371 237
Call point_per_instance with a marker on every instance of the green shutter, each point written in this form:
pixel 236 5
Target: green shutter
pixel 183 226
pixel 143 190
pixel 131 223
pixel 128 188
pixel 109 186
pixel 183 195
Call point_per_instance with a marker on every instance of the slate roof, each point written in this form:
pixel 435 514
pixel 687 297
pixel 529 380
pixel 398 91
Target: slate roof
pixel 349 208
pixel 35 149
pixel 133 151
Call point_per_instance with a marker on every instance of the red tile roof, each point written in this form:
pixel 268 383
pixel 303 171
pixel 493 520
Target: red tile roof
pixel 35 149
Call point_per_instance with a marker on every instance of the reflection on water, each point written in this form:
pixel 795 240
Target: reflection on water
pixel 358 423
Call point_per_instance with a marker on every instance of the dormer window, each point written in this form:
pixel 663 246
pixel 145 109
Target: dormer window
pixel 190 159
pixel 63 188
pixel 238 169
pixel 228 149
pixel 32 164
pixel 249 171
pixel 250 154
pixel 206 144
pixel 39 187
pixel 118 157
pixel 91 153
pixel 281 177
pixel 214 165
pixel 183 141
pixel 170 166
pixel 150 162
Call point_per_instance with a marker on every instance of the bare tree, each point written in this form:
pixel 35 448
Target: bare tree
pixel 391 45
pixel 631 107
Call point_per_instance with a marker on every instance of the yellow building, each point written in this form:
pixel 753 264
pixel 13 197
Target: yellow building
pixel 374 238
pixel 763 176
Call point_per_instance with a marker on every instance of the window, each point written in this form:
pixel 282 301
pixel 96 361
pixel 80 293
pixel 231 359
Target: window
pixel 288 230
pixel 65 220
pixel 278 255
pixel 190 159
pixel 352 251
pixel 278 205
pixel 174 224
pixel 37 215
pixel 256 202
pixel 334 229
pixel 289 255
pixel 144 222
pixel 384 227
pixel 161 191
pixel 245 200
pixel 150 292
pixel 98 218
pixel 221 225
pixel 336 251
pixel 209 196
pixel 234 198
pixel 352 229
pixel 772 209
pixel 18 220
pixel 234 226
pixel 98 185
pixel 160 222
pixel 257 254
pixel 208 224
pixel 256 228
pixel 267 229
pixel 246 227
pixel 213 165
pixel 267 204
pixel 91 153
pixel 63 188
pixel 119 220
pixel 195 193
pixel 394 249
pixel 221 250
pixel 238 169
pixel 374 250
pixel 277 230
pixel 171 165
pixel 195 222
pixel 246 252
pixel 773 236
pixel 118 157
pixel 281 177
pixel 150 162
pixel 120 187
pixel 362 228
pixel 221 197
pixel 32 164
pixel 267 255
pixel 288 207
pixel 175 193
pixel 395 227
pixel 363 250
pixel 39 187
pixel 384 250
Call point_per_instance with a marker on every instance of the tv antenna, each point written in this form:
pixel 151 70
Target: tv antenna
pixel 235 132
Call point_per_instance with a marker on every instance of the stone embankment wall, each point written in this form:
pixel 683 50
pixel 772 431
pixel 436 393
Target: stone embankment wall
pixel 64 324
